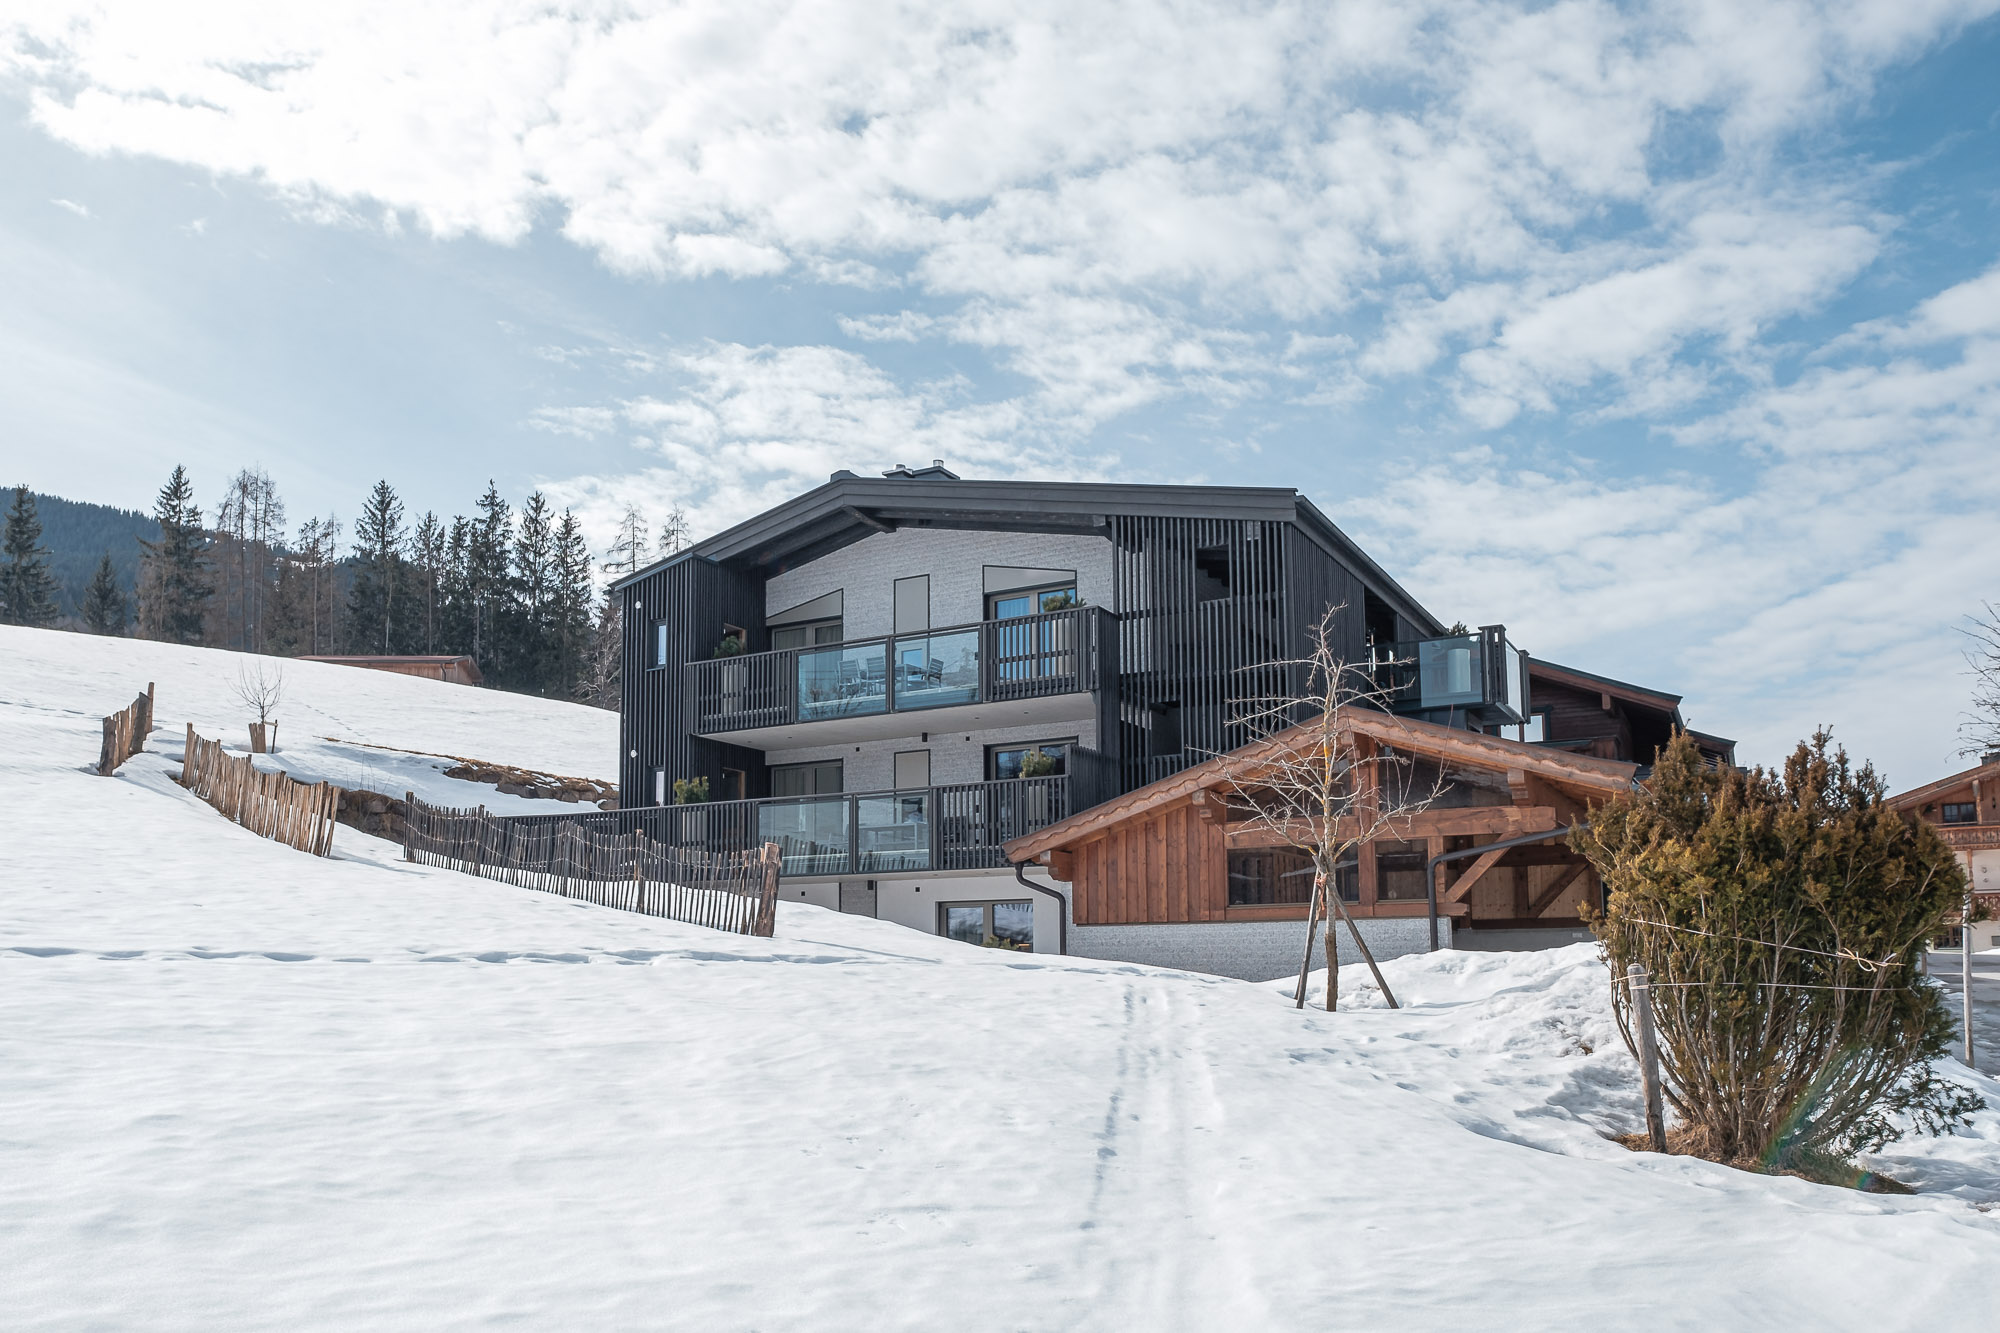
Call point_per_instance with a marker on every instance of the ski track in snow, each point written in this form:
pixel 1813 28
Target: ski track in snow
pixel 238 1090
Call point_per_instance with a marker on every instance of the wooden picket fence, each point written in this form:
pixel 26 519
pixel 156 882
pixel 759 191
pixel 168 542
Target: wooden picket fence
pixel 125 733
pixel 731 891
pixel 270 805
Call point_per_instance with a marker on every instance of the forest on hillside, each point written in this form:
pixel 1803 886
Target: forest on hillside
pixel 516 589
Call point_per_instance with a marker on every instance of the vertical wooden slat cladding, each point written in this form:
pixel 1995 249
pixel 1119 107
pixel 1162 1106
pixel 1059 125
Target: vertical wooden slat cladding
pixel 693 598
pixel 1170 866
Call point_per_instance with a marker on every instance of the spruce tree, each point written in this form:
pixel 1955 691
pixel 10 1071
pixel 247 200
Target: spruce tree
pixel 378 574
pixel 104 601
pixel 27 589
pixel 427 558
pixel 534 579
pixel 489 584
pixel 174 588
pixel 572 602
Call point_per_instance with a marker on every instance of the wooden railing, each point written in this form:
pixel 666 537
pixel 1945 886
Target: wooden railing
pixel 734 890
pixel 270 805
pixel 125 733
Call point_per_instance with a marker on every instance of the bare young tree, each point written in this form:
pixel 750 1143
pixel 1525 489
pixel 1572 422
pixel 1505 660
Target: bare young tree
pixel 1314 784
pixel 1981 728
pixel 261 689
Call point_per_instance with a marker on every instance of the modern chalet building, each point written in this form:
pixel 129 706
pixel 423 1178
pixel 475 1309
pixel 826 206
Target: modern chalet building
pixel 895 677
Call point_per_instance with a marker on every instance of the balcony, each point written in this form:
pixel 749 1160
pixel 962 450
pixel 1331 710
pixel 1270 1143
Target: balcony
pixel 862 834
pixel 1030 669
pixel 1480 676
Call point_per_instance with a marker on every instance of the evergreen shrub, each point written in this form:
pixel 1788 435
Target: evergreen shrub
pixel 1782 916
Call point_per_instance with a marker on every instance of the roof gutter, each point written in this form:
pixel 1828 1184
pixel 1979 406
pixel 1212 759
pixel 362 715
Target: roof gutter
pixel 1430 870
pixel 1062 907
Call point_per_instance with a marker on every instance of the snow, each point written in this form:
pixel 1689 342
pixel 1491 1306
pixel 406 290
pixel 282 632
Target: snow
pixel 247 1088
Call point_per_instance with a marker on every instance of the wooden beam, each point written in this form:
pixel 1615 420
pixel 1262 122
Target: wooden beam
pixel 1466 881
pixel 1500 820
pixel 1061 865
pixel 1547 897
pixel 1210 807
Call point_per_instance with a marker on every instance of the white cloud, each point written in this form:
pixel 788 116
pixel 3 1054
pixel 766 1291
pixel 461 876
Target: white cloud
pixel 71 206
pixel 1155 176
pixel 749 427
pixel 1820 586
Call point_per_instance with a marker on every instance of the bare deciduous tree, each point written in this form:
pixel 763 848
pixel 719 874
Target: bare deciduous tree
pixel 1315 785
pixel 1981 728
pixel 261 689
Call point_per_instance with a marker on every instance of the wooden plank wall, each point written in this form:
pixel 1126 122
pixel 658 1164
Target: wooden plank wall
pixel 1168 867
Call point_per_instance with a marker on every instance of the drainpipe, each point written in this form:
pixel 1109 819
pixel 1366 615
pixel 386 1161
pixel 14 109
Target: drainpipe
pixel 1430 869
pixel 1062 908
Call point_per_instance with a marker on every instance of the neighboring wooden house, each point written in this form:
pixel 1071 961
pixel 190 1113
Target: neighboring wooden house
pixel 1610 719
pixel 453 669
pixel 1145 867
pixel 1965 808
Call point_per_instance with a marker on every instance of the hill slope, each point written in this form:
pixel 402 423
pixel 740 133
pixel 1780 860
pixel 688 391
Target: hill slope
pixel 78 534
pixel 247 1088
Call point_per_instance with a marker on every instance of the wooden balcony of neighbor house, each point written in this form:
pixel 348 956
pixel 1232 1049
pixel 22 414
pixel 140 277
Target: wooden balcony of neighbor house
pixel 1028 669
pixel 1480 676
pixel 959 826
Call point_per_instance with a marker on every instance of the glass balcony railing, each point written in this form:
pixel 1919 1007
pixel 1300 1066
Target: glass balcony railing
pixel 1480 675
pixel 1027 657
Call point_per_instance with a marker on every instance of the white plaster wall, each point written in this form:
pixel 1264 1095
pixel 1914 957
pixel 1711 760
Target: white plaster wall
pixel 913 901
pixel 866 573
pixel 957 756
pixel 1248 950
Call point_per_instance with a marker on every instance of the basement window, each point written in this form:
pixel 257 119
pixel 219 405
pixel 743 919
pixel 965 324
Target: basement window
pixel 1008 925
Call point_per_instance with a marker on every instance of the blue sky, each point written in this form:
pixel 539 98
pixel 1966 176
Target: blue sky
pixel 1666 335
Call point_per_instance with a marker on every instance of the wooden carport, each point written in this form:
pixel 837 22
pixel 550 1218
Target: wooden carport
pixel 1164 853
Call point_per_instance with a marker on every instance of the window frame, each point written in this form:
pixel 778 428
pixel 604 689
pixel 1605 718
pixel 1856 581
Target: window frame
pixel 944 908
pixel 811 629
pixel 995 750
pixel 1034 592
pixel 1947 811
pixel 812 765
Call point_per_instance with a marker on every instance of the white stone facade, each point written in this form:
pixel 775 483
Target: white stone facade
pixel 865 573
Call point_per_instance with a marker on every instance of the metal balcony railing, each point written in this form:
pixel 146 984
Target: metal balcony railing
pixel 1481 675
pixel 960 826
pixel 1028 657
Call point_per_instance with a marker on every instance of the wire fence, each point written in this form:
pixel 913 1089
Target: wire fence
pixel 728 891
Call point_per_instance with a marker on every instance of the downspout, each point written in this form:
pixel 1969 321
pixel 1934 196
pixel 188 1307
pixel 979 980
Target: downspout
pixel 1430 870
pixel 1062 907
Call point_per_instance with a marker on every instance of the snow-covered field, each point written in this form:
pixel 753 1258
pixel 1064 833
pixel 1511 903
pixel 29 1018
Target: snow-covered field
pixel 244 1088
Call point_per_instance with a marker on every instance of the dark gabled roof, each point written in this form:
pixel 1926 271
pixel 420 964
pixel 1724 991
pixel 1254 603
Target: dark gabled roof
pixel 1617 689
pixel 849 508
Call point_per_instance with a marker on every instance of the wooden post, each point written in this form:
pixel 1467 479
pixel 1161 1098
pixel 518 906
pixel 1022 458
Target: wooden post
pixel 409 825
pixel 1649 1056
pixel 1367 954
pixel 767 903
pixel 107 756
pixel 1332 970
pixel 1312 937
pixel 1965 972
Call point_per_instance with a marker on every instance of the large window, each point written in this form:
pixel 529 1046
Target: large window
pixel 1031 601
pixel 1008 925
pixel 1277 876
pixel 1039 759
pixel 1961 812
pixel 813 635
pixel 822 779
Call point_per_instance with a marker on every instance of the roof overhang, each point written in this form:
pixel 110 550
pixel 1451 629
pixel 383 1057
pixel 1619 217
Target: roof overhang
pixel 1579 775
pixel 1930 791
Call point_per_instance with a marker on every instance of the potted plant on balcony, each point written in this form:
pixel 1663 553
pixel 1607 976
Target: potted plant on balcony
pixel 731 645
pixel 690 791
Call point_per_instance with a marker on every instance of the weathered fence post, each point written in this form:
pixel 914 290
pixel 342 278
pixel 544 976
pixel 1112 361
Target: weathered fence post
pixel 767 903
pixel 409 825
pixel 1649 1055
pixel 142 724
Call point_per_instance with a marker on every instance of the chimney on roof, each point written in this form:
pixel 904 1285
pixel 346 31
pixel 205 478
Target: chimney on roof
pixel 1992 756
pixel 937 471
